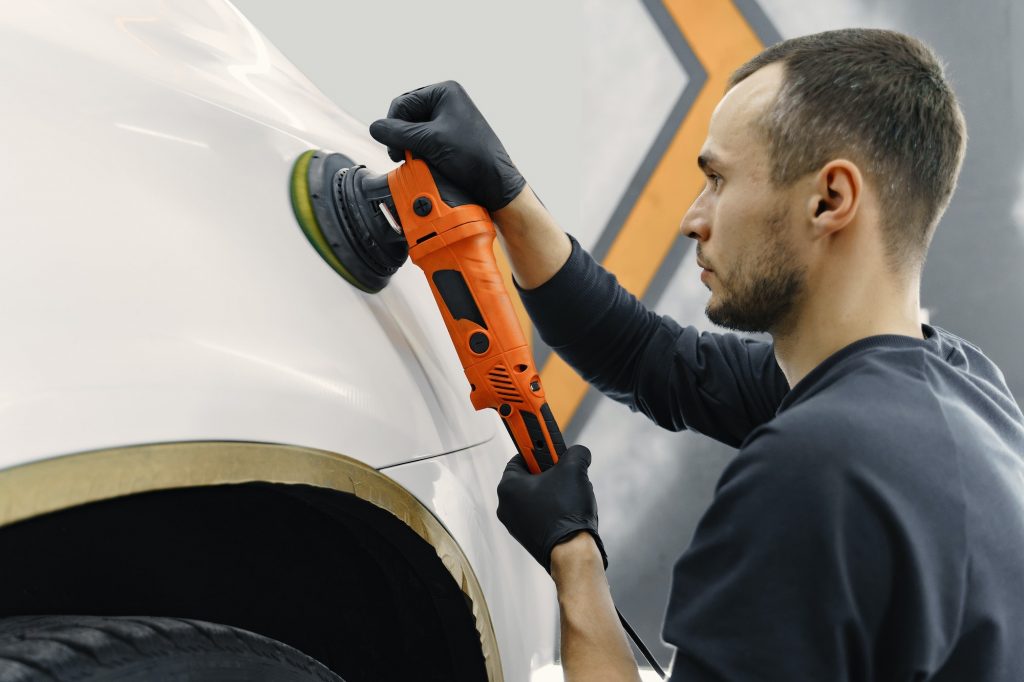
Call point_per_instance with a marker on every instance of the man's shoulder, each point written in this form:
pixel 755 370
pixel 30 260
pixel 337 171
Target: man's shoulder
pixel 885 437
pixel 875 406
pixel 893 459
pixel 799 446
pixel 837 423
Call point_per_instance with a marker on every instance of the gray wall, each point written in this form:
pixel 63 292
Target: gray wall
pixel 521 62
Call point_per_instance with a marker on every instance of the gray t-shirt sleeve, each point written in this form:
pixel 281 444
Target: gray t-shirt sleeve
pixel 720 385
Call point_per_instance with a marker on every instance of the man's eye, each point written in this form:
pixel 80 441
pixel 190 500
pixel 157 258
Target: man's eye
pixel 714 180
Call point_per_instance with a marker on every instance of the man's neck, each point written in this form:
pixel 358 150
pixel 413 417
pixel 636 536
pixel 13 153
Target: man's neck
pixel 831 323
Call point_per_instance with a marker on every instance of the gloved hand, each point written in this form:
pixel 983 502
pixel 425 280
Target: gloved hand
pixel 543 510
pixel 440 124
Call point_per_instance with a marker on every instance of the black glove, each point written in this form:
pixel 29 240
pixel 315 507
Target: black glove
pixel 440 124
pixel 543 510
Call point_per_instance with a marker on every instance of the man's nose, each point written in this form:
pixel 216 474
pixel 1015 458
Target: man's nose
pixel 695 224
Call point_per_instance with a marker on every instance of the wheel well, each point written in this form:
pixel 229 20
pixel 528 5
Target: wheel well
pixel 324 571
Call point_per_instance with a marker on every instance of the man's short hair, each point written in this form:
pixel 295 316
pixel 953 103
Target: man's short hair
pixel 881 99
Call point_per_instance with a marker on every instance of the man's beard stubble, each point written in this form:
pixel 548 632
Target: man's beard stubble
pixel 762 296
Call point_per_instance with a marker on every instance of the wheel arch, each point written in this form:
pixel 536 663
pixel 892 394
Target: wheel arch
pixel 172 504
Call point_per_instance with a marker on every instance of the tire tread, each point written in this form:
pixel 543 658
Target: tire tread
pixel 74 647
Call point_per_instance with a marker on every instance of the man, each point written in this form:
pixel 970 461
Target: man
pixel 871 526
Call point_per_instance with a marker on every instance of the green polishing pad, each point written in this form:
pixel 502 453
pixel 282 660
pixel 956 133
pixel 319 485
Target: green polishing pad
pixel 302 205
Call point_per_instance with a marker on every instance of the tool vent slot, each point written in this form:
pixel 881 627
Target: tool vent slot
pixel 503 384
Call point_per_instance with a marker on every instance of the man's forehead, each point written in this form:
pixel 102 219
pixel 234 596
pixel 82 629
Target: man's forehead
pixel 732 130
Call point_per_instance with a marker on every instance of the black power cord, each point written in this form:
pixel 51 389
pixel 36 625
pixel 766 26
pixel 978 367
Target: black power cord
pixel 640 644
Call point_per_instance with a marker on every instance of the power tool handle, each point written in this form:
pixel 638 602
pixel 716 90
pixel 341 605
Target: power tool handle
pixel 554 431
pixel 537 427
pixel 454 246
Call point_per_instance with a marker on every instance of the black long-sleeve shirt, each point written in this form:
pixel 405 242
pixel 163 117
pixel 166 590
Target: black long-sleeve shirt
pixel 871 526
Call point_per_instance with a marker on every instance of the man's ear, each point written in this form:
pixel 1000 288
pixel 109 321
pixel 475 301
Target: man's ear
pixel 835 196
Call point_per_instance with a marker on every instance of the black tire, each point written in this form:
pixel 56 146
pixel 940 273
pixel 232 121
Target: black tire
pixel 150 648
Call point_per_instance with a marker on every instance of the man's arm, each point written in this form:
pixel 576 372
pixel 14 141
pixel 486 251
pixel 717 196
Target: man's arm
pixel 536 247
pixel 720 385
pixel 553 515
pixel 594 646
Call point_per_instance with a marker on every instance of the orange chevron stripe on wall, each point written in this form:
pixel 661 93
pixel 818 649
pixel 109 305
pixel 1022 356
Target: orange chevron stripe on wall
pixel 720 39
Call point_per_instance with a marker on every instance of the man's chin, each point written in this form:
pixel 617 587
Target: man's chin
pixel 714 314
pixel 728 319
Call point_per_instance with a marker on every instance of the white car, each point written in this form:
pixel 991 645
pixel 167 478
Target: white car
pixel 215 453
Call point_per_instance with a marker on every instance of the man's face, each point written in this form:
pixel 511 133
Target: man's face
pixel 744 225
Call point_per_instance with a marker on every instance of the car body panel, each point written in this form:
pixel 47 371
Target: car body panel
pixel 461 488
pixel 156 285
